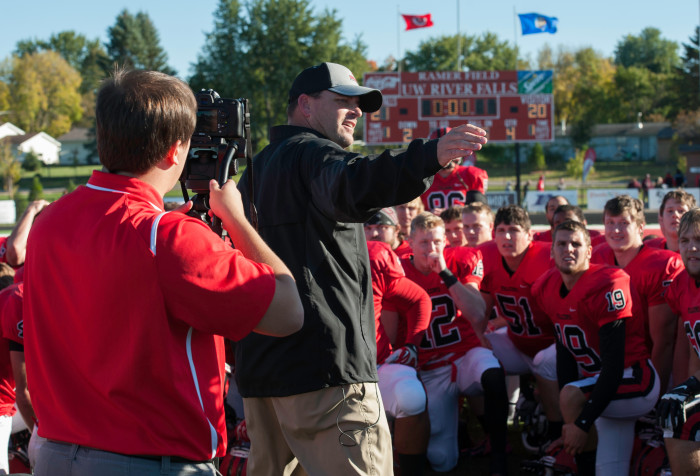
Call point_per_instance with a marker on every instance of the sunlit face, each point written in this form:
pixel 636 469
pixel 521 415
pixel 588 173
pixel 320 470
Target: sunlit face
pixel 335 116
pixel 561 217
pixel 670 217
pixel 552 204
pixel 512 240
pixel 384 233
pixel 425 242
pixel 454 233
pixel 478 228
pixel 571 253
pixel 689 249
pixel 622 232
pixel 406 213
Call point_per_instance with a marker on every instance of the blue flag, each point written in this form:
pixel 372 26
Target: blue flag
pixel 536 23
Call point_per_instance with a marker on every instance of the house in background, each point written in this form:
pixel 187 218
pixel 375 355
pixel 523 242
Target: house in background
pixel 46 148
pixel 73 148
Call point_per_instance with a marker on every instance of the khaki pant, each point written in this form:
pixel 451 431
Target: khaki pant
pixel 333 431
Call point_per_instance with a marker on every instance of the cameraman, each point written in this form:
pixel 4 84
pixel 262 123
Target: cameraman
pixel 312 398
pixel 124 308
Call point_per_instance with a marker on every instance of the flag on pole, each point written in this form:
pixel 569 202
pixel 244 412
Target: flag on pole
pixel 536 23
pixel 588 161
pixel 417 21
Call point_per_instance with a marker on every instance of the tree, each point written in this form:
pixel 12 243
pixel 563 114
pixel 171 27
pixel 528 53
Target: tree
pixel 256 55
pixel 480 53
pixel 31 162
pixel 37 190
pixel 536 157
pixel 44 93
pixel 10 169
pixel 686 85
pixel 648 51
pixel 582 91
pixel 134 42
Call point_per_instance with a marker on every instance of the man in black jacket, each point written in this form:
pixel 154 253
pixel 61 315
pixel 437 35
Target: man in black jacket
pixel 311 398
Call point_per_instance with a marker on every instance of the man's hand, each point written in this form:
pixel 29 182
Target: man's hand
pixel 671 409
pixel 184 208
pixel 461 141
pixel 406 355
pixel 574 438
pixel 226 201
pixel 437 262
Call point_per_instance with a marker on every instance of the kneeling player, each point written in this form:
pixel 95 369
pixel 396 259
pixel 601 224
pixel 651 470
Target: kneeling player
pixel 402 393
pixel 452 361
pixel 679 410
pixel 602 360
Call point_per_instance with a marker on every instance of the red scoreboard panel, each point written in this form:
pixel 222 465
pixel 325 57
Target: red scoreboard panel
pixel 513 106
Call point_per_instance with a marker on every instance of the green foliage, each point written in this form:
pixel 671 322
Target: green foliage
pixel 685 83
pixel 479 53
pixel 71 186
pixel 257 47
pixel 574 167
pixel 21 204
pixel 648 51
pixel 535 157
pixel 134 42
pixel 44 93
pixel 31 162
pixel 10 169
pixel 37 190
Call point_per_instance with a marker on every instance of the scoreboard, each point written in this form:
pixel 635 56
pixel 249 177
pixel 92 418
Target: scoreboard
pixel 512 106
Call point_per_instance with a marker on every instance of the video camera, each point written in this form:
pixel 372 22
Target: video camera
pixel 221 136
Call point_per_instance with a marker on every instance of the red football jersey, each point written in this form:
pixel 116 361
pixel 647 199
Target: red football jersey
pixel 683 296
pixel 529 329
pixel 403 250
pixel 7 378
pixel 602 295
pixel 11 315
pixel 390 283
pixel 450 191
pixel 659 243
pixel 449 331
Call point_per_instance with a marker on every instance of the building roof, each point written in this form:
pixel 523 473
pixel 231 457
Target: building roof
pixel 19 139
pixel 76 134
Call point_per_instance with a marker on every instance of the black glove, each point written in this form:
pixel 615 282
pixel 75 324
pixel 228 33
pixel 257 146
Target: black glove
pixel 670 411
pixel 406 355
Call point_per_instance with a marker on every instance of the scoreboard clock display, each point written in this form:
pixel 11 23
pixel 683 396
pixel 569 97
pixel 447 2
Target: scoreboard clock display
pixel 513 106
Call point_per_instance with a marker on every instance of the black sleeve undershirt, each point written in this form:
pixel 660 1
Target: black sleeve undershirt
pixel 16 346
pixel 567 368
pixel 612 354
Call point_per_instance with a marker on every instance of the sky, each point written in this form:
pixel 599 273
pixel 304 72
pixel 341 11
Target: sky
pixel 182 25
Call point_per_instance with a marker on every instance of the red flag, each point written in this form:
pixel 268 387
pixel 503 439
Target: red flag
pixel 417 21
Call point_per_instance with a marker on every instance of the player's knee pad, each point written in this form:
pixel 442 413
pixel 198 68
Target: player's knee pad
pixel 441 459
pixel 410 398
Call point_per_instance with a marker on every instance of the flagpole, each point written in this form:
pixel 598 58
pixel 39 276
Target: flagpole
pixel 515 35
pixel 398 37
pixel 459 42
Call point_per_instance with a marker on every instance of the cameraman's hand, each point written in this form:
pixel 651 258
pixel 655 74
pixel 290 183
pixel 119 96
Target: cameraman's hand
pixel 184 208
pixel 225 202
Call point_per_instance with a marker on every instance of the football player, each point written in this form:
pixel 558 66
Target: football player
pixel 679 410
pixel 452 360
pixel 603 364
pixel 650 270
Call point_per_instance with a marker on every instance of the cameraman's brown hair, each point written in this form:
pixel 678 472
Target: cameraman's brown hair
pixel 625 203
pixel 140 116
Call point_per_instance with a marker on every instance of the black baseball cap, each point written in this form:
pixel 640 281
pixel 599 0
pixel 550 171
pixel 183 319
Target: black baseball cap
pixel 337 78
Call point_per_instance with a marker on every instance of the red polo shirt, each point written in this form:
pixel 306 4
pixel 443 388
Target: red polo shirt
pixel 124 306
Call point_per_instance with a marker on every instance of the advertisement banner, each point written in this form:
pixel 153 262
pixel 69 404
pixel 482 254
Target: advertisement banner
pixel 537 201
pixel 497 200
pixel 8 212
pixel 596 197
pixel 656 196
